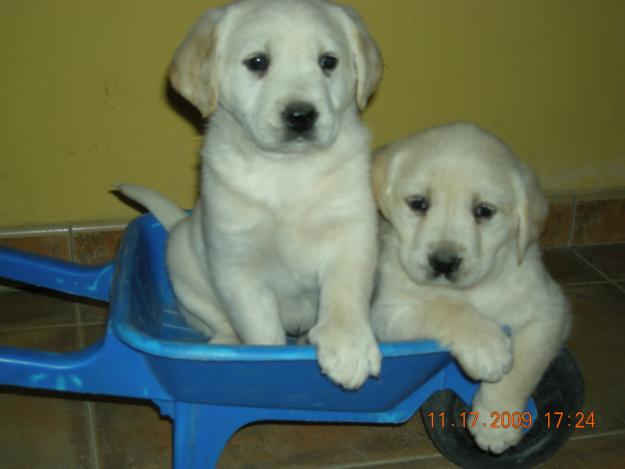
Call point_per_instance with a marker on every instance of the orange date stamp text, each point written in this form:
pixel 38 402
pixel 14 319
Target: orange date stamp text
pixel 505 419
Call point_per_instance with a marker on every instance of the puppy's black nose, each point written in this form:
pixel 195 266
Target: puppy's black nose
pixel 444 263
pixel 300 117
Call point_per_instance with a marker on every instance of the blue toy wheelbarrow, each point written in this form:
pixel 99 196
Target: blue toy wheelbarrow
pixel 210 391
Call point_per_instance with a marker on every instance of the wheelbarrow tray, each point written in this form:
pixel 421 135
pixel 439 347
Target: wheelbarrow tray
pixel 144 316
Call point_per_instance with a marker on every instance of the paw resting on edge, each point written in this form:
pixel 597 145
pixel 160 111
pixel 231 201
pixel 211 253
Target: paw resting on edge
pixel 347 358
pixel 484 353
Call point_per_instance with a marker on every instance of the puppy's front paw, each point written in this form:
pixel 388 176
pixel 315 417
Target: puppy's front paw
pixel 494 436
pixel 496 440
pixel 484 352
pixel 347 356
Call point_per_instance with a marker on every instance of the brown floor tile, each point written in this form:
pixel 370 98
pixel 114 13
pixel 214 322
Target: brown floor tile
pixel 599 221
pixel 609 259
pixel 93 311
pixel 288 445
pixel 53 245
pixel 606 452
pixel 91 334
pixel 132 435
pixel 96 247
pixel 28 307
pixel 598 344
pixel 565 267
pixel 39 429
pixel 43 432
pixel 558 227
pixel 53 339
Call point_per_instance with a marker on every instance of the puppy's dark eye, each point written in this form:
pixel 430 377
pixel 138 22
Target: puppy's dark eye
pixel 328 62
pixel 257 64
pixel 484 212
pixel 418 203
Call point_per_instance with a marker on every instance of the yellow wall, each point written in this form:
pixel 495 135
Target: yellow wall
pixel 83 102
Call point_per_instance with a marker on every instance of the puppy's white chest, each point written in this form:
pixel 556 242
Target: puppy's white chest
pixel 291 242
pixel 291 277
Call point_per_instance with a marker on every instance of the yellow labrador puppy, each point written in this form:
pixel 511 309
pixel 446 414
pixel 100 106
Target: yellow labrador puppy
pixel 460 261
pixel 283 239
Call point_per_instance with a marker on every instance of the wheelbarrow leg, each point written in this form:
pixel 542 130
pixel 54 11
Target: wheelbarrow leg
pixel 201 432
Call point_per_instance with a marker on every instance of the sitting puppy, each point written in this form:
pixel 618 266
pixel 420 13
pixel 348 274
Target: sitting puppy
pixel 284 237
pixel 460 261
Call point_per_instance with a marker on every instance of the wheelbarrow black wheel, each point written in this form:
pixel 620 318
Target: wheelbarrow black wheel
pixel 560 390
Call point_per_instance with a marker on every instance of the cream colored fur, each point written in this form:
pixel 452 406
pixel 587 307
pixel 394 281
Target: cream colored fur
pixel 499 281
pixel 283 238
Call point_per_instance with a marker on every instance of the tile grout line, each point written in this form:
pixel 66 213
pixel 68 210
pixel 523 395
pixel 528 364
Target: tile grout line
pixel 61 228
pixel 598 435
pixel 383 462
pixel 72 258
pixel 591 282
pixel 47 326
pixel 93 441
pixel 622 288
pixel 596 269
pixel 572 224
pixel 89 406
pixel 40 231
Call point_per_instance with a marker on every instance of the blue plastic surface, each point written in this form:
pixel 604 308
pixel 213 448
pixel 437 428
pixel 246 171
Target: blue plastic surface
pixel 209 391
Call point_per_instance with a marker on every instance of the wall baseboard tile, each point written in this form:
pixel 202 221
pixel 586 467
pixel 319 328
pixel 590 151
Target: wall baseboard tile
pixel 585 219
pixel 574 220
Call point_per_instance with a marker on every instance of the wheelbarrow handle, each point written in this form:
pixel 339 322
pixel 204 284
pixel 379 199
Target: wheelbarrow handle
pixel 109 368
pixel 67 277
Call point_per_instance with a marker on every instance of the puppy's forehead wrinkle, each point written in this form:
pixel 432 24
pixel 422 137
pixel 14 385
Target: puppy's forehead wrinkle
pixel 293 34
pixel 287 19
pixel 470 181
pixel 456 144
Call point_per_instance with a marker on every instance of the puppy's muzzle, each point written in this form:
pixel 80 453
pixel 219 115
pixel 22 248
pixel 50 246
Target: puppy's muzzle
pixel 444 262
pixel 300 118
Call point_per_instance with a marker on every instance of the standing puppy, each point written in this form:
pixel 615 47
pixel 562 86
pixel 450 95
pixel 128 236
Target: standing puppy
pixel 283 238
pixel 460 261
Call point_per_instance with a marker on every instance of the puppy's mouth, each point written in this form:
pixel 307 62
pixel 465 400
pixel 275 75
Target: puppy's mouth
pixel 306 142
pixel 440 277
pixel 306 137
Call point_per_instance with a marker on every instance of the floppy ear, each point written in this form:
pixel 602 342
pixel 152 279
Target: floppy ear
pixel 367 59
pixel 532 209
pixel 379 178
pixel 193 71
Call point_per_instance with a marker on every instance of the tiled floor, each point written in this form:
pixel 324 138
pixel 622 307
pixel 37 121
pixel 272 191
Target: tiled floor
pixel 40 430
